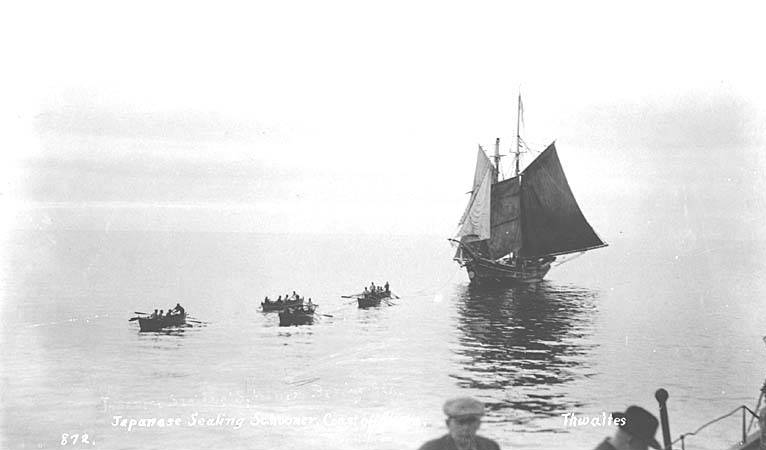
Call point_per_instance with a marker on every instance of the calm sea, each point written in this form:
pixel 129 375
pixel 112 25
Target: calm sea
pixel 603 332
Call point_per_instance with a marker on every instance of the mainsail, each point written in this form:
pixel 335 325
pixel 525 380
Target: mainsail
pixel 505 218
pixel 532 215
pixel 551 219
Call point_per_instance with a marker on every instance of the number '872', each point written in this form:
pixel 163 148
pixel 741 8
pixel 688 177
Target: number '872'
pixel 74 439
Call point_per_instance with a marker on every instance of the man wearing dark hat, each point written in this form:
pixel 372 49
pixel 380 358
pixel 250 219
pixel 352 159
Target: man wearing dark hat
pixel 463 420
pixel 635 432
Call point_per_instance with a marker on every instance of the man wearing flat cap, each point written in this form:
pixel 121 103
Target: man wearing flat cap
pixel 463 420
pixel 637 427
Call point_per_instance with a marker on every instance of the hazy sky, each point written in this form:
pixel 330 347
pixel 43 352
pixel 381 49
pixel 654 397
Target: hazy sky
pixel 359 117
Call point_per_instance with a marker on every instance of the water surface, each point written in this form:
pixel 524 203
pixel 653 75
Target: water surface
pixel 603 332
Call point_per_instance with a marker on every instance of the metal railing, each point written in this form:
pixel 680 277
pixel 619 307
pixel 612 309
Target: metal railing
pixel 662 396
pixel 742 408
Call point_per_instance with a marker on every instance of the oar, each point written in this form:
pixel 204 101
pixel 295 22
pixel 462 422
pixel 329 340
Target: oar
pixel 327 315
pixel 132 319
pixel 138 312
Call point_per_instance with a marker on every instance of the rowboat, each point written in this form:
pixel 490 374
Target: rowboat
pixel 279 305
pixel 299 315
pixel 373 299
pixel 158 323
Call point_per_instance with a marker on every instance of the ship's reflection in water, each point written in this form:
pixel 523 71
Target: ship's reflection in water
pixel 524 348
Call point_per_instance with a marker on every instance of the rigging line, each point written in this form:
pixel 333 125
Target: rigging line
pixel 526 145
pixel 531 150
pixel 564 261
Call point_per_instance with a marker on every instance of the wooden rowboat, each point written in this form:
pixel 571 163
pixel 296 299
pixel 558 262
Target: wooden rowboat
pixel 370 300
pixel 301 315
pixel 279 305
pixel 156 324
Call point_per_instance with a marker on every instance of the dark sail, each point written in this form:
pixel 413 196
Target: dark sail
pixel 552 223
pixel 505 236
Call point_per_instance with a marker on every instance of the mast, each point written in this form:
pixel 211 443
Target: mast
pixel 497 160
pixel 518 137
pixel 518 155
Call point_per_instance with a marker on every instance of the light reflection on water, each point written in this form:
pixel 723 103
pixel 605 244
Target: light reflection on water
pixel 522 346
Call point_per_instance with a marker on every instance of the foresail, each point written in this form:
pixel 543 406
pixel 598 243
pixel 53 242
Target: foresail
pixel 482 166
pixel 505 218
pixel 476 218
pixel 552 222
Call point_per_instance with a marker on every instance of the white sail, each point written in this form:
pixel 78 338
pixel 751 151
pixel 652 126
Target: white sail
pixel 476 218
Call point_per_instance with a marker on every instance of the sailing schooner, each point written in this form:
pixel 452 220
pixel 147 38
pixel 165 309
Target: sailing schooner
pixel 513 229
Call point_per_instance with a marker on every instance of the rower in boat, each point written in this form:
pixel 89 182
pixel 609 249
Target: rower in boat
pixel 180 309
pixel 269 305
pixel 161 319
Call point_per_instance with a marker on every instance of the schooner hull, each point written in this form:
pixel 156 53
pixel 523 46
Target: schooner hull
pixel 494 272
pixel 486 272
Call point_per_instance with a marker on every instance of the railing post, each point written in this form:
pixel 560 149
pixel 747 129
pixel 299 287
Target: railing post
pixel 762 423
pixel 662 397
pixel 744 420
